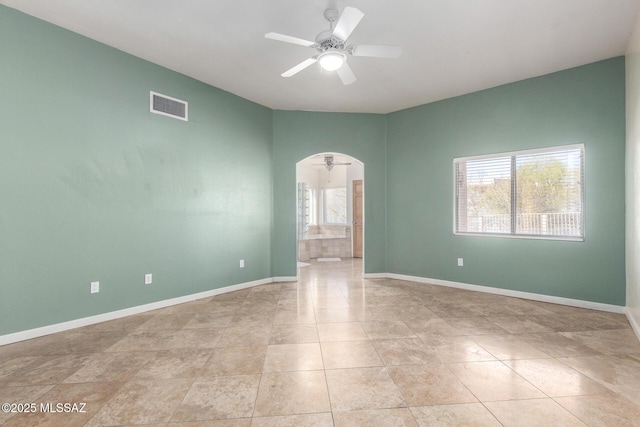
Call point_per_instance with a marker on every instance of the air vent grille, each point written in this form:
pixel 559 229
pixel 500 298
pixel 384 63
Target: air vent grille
pixel 168 106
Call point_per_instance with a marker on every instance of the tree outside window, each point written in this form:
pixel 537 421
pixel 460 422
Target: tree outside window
pixel 334 205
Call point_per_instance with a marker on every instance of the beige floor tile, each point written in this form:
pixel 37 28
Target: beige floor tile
pixel 290 393
pixel 238 422
pixel 619 374
pixel 602 410
pixel 221 397
pixel 149 340
pixel 325 303
pixel 254 318
pixel 349 354
pixel 12 364
pixel 475 326
pixel 425 328
pixel 632 396
pixel 142 402
pixel 104 367
pixel 334 315
pixel 174 364
pixel 406 351
pixel 466 414
pixel 508 347
pixel 341 331
pixel 613 341
pixel 519 325
pixel 452 310
pixel 533 413
pixel 69 342
pixel 17 394
pixel 430 384
pixel 235 361
pixel 567 322
pixel 47 370
pixel 362 388
pixel 557 345
pixel 294 334
pixel 398 417
pixel 387 330
pixel 195 338
pixel 555 378
pixel 243 336
pixel 456 349
pixel 490 381
pixel 128 323
pixel 167 321
pixel 210 319
pixel 88 397
pixel 294 317
pixel 293 357
pixel 305 420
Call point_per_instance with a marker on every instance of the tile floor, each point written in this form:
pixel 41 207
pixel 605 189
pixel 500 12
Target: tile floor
pixel 335 350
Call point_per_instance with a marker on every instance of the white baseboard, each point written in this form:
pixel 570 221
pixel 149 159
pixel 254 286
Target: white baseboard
pixel 635 325
pixel 375 276
pixel 511 293
pixel 285 279
pixel 112 315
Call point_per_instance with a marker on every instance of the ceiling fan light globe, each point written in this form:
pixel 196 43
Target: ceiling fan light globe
pixel 331 61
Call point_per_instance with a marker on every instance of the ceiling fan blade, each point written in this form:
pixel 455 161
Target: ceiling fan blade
pixel 346 74
pixel 347 23
pixel 375 51
pixel 301 66
pixel 288 39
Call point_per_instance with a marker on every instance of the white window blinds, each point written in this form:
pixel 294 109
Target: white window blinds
pixel 534 193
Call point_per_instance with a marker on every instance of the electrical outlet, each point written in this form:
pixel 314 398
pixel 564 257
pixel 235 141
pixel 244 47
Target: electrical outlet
pixel 460 262
pixel 95 287
pixel 241 263
pixel 148 279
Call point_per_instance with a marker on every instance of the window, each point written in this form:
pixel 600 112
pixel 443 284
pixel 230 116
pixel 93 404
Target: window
pixel 534 193
pixel 334 205
pixel 313 205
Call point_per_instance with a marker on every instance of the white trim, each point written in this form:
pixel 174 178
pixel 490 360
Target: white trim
pixel 374 275
pixel 112 315
pixel 285 279
pixel 633 321
pixel 511 293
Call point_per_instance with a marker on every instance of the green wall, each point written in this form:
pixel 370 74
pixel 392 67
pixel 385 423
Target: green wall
pixel 298 135
pixel 581 105
pixel 93 187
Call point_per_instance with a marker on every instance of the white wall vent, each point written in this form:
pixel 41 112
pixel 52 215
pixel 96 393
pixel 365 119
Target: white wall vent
pixel 168 106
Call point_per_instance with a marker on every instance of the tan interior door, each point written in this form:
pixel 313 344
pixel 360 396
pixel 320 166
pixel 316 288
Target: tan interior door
pixel 357 218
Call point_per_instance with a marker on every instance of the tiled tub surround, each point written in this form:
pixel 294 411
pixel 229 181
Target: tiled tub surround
pixel 334 349
pixel 325 241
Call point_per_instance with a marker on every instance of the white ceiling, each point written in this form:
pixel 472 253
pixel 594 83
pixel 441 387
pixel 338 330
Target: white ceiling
pixel 451 47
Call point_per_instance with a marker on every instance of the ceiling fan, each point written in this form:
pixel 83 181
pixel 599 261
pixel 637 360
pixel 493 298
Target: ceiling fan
pixel 329 163
pixel 332 46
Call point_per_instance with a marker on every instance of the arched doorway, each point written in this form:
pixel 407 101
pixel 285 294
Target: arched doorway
pixel 330 208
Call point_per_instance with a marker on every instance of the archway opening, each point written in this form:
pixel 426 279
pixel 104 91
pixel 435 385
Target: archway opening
pixel 330 209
